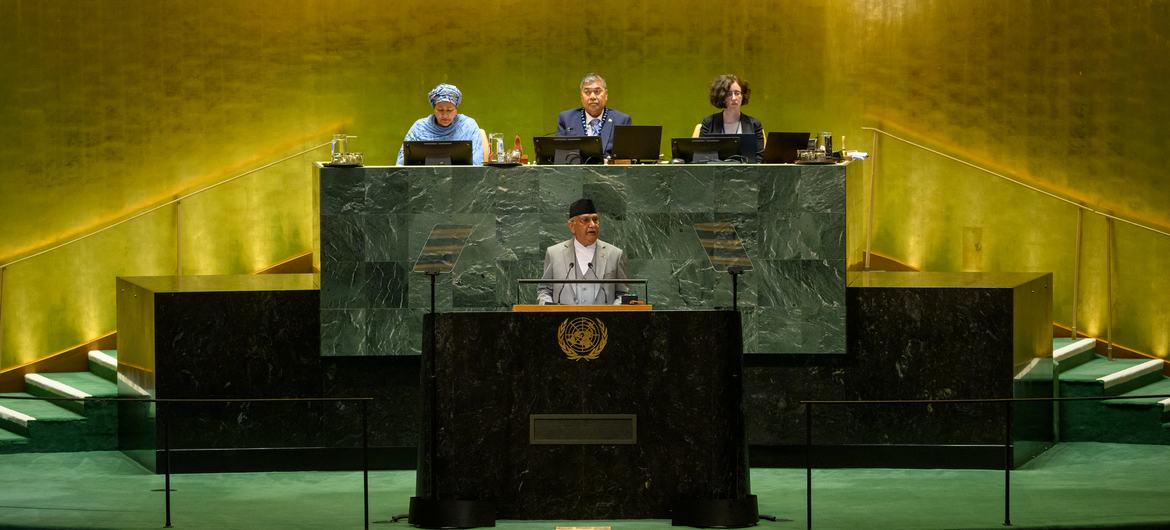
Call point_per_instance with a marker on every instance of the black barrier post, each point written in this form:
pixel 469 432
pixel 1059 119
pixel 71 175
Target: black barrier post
pixel 167 451
pixel 433 276
pixel 808 463
pixel 366 462
pixel 1007 466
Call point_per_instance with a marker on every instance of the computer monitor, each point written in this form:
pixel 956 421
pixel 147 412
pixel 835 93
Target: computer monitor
pixel 437 153
pixel 637 142
pixel 748 148
pixel 704 149
pixel 562 150
pixel 782 146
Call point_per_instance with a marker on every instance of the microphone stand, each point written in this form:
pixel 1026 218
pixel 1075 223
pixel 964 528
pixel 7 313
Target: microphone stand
pixel 603 292
pixel 562 289
pixel 735 271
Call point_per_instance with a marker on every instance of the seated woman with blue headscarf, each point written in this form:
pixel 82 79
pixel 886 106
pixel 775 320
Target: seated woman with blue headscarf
pixel 446 123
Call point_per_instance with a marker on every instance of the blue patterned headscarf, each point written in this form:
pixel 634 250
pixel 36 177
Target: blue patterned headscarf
pixel 445 92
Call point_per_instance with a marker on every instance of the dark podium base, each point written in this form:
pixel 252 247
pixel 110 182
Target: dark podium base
pixel 430 513
pixel 716 513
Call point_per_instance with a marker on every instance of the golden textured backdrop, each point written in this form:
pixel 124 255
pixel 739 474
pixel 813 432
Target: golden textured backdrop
pixel 107 107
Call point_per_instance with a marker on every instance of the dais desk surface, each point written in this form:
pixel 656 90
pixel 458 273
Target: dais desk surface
pixel 578 308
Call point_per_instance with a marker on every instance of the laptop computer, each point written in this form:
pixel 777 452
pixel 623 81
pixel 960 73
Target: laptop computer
pixel 560 150
pixel 637 142
pixel 748 149
pixel 781 147
pixel 705 149
pixel 437 152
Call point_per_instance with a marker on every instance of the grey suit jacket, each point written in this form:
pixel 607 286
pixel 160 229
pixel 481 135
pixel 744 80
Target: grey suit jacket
pixel 609 263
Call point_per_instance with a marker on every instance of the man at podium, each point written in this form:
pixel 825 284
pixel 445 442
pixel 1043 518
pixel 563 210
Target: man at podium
pixel 583 257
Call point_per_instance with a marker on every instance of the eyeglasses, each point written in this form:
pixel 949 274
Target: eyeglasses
pixel 593 91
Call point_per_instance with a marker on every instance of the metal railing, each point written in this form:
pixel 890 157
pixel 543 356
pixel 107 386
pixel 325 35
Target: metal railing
pixel 176 202
pixel 1008 445
pixel 1081 207
pixel 165 428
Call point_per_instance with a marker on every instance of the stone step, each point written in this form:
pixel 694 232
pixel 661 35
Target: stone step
pixel 1136 376
pixel 18 415
pixel 1161 387
pixel 51 428
pixel 104 363
pixel 1096 368
pixel 71 385
pixel 1069 353
pixel 10 442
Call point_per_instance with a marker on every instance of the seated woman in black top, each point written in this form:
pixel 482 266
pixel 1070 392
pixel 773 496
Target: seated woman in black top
pixel 729 93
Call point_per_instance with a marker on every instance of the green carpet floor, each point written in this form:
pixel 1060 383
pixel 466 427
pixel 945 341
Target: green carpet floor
pixel 1075 485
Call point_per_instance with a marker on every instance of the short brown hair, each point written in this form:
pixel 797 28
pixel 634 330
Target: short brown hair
pixel 722 85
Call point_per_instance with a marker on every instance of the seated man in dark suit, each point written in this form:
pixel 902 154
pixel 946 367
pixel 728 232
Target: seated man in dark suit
pixel 592 118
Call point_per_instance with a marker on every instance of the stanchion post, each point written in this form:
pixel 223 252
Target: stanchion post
pixel 808 464
pixel 161 413
pixel 1007 465
pixel 433 275
pixel 366 463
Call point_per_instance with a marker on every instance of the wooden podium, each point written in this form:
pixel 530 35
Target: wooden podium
pixel 594 412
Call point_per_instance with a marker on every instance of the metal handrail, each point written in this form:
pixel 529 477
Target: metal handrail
pixel 1050 194
pixel 365 402
pixel 157 207
pixel 1110 218
pixel 141 213
pixel 1008 445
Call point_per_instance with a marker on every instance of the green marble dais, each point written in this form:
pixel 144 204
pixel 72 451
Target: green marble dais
pixel 375 220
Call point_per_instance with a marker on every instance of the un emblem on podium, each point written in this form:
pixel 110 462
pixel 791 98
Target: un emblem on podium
pixel 582 338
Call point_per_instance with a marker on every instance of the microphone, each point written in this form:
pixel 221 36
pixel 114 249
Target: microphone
pixel 563 285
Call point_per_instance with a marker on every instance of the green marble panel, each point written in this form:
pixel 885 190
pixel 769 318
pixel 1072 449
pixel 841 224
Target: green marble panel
pixel 343 331
pixel 646 192
pixel 738 191
pixel 554 227
pixel 818 189
pixel 374 222
pixel 779 330
pixel 343 284
pixel 385 284
pixel 823 329
pixel 342 238
pixel 386 237
pixel 419 295
pixel 514 192
pixel 393 332
pixel 692 190
pixel 509 271
pixel 609 192
pixel 344 192
pixel 643 235
pixel 474 191
pixel 386 192
pixel 558 187
pixel 802 235
pixel 778 191
pixel 749 317
pixel 519 235
pixel 430 189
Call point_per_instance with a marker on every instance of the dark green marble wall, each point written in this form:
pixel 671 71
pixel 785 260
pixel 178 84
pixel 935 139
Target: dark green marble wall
pixel 374 221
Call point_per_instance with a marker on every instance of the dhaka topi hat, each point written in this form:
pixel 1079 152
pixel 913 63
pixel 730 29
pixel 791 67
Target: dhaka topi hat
pixel 581 207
